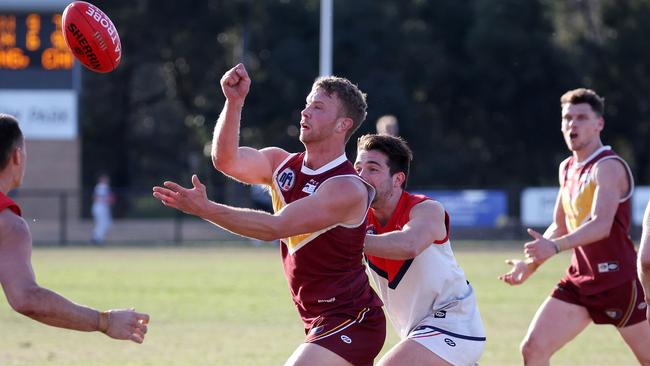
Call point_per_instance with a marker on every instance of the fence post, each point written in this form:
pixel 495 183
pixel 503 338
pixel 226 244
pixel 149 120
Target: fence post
pixel 63 218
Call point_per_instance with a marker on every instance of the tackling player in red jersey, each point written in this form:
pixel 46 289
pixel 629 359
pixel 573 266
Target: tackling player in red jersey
pixel 320 209
pixel 16 273
pixel 592 217
pixel 426 295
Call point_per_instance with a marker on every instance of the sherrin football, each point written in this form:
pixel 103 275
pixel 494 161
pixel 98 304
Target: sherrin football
pixel 91 36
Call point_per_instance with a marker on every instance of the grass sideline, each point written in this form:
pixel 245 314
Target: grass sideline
pixel 230 306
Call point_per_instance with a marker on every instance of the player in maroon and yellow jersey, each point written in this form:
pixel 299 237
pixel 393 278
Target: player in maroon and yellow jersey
pixel 320 206
pixel 592 218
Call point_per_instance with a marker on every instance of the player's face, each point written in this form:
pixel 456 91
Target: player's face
pixel 581 126
pixel 319 116
pixel 373 167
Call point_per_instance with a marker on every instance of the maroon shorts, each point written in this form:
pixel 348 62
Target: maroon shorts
pixel 357 336
pixel 620 306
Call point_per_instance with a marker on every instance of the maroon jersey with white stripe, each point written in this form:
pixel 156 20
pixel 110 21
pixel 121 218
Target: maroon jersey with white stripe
pixel 609 262
pixel 6 202
pixel 324 269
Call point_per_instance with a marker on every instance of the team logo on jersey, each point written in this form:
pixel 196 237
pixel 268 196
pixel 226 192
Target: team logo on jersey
pixel 310 187
pixel 450 342
pixel 440 314
pixel 286 179
pixel 613 313
pixel 371 229
pixel 346 339
pixel 608 267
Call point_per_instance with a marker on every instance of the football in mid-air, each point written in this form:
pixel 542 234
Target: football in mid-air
pixel 91 36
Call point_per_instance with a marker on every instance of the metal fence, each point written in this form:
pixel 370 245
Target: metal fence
pixel 62 217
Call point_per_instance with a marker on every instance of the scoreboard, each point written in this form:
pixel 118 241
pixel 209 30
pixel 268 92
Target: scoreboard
pixel 33 53
pixel 33 40
pixel 39 78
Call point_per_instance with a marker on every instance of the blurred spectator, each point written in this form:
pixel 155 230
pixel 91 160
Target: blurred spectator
pixel 102 201
pixel 261 198
pixel 387 125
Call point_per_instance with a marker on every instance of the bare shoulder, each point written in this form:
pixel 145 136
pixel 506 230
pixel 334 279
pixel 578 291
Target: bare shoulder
pixel 12 228
pixel 611 172
pixel 431 209
pixel 275 155
pixel 611 167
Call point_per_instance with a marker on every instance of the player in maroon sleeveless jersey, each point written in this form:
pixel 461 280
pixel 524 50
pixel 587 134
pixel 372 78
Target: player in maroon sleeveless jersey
pixel 592 217
pixel 16 273
pixel 644 258
pixel 320 206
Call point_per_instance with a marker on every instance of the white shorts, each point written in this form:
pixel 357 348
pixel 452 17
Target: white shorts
pixel 454 332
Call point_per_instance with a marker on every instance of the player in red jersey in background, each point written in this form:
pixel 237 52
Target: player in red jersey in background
pixel 16 273
pixel 320 206
pixel 644 258
pixel 592 217
pixel 427 297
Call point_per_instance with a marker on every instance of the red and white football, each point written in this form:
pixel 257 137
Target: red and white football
pixel 91 36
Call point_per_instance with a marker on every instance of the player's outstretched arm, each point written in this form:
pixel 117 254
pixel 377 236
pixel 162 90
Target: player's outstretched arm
pixel 426 225
pixel 326 208
pixel 242 163
pixel 46 306
pixel 644 257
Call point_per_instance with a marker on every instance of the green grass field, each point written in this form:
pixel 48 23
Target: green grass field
pixel 231 306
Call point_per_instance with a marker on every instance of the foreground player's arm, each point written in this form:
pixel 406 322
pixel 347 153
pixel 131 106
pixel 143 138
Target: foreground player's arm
pixel 28 298
pixel 611 185
pixel 644 257
pixel 426 224
pixel 242 163
pixel 325 208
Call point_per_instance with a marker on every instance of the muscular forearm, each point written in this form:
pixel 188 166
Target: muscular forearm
pixel 246 222
pixel 393 245
pixel 225 141
pixel 48 307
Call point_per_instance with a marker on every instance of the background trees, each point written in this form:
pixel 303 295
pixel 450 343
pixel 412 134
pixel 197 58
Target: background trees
pixel 475 83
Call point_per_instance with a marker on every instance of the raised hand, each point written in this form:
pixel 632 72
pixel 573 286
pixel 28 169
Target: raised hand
pixel 235 84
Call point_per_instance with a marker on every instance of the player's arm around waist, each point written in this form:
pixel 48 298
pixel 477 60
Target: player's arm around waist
pixel 326 208
pixel 426 224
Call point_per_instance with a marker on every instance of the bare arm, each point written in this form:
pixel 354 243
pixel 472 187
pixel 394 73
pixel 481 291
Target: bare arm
pixel 28 298
pixel 326 208
pixel 644 256
pixel 242 163
pixel 426 224
pixel 611 185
